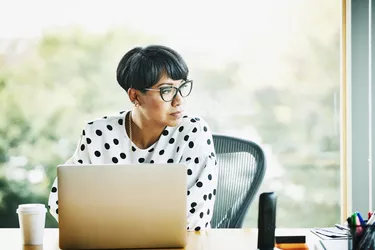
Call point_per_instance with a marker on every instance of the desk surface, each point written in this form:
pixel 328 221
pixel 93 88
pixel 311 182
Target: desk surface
pixel 234 239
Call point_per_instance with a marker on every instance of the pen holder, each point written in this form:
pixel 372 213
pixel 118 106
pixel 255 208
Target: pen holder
pixel 362 237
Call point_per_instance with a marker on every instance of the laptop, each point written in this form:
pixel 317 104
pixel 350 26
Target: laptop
pixel 122 206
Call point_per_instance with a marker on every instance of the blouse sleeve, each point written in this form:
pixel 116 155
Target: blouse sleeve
pixel 80 156
pixel 201 163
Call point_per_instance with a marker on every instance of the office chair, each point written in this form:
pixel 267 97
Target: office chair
pixel 241 166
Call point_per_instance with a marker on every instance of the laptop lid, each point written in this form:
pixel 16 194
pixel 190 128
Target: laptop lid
pixel 122 206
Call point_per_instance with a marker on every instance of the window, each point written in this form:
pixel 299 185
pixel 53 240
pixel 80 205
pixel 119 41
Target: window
pixel 265 71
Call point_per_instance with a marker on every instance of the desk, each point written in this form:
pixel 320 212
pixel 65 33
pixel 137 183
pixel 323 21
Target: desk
pixel 212 239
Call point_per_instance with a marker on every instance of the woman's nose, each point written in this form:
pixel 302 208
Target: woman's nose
pixel 178 99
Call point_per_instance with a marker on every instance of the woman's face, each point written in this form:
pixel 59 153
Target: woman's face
pixel 157 111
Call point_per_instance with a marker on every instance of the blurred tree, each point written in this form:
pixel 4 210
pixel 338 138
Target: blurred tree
pixel 45 97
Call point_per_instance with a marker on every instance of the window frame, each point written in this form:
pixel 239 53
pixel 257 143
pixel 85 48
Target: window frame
pixel 356 154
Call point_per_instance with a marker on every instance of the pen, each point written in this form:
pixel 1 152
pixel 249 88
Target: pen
pixel 371 220
pixel 361 221
pixel 356 223
pixel 349 220
pixel 341 227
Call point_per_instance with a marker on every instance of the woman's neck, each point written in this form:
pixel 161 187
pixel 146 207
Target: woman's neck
pixel 144 132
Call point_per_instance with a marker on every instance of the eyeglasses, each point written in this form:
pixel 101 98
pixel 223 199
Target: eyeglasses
pixel 170 92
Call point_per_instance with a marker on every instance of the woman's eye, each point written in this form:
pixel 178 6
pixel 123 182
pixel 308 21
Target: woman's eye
pixel 166 91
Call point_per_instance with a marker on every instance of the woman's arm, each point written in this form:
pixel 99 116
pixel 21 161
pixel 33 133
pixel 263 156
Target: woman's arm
pixel 202 173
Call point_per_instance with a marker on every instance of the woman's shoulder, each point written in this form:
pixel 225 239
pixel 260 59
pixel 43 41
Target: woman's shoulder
pixel 110 121
pixel 195 124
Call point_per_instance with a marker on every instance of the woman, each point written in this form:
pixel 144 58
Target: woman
pixel 155 130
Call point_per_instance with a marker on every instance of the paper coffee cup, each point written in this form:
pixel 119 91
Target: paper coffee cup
pixel 32 218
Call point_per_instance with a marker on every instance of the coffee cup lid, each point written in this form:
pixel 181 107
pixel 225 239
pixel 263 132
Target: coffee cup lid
pixel 31 208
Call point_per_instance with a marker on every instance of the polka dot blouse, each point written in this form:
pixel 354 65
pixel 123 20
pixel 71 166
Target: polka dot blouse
pixel 105 141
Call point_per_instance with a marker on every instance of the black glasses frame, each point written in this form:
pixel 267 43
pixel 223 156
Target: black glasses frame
pixel 178 90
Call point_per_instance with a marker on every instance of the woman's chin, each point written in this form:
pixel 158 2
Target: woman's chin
pixel 174 122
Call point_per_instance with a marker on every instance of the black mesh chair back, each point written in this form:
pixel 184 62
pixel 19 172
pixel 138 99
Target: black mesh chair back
pixel 241 166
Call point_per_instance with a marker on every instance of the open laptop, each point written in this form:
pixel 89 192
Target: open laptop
pixel 122 206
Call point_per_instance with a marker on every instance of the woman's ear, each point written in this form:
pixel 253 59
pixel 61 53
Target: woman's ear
pixel 133 96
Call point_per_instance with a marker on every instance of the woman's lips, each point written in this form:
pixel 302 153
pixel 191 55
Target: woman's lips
pixel 177 114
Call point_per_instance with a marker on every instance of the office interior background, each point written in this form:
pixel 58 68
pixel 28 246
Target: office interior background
pixel 266 71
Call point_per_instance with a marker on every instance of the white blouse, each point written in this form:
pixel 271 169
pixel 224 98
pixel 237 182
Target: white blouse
pixel 105 141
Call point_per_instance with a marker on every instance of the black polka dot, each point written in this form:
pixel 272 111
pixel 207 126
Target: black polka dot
pixel 152 161
pixel 106 145
pixel 188 192
pixel 83 132
pixel 88 140
pixel 170 161
pixel 80 161
pixel 115 141
pixel 49 207
pixel 171 141
pixel 199 184
pixel 161 152
pixel 197 228
pixel 185 116
pixel 193 120
pixel 54 190
pixel 197 119
pixel 193 204
pixel 191 144
pixel 123 155
pixel 178 149
pixel 208 141
pixel 133 149
pixel 196 160
pixel 206 224
pixel 109 127
pixel 57 202
pixel 82 147
pixel 205 129
pixel 209 196
pixel 205 197
pixel 181 128
pixel 97 154
pixel 188 159
pixel 189 172
pixel 120 121
pixel 165 132
pixel 151 150
pixel 141 160
pixel 212 154
pixel 210 177
pixel 90 123
pixel 201 215
pixel 186 138
pixel 105 117
pixel 192 210
pixel 214 192
pixel 114 160
pixel 98 132
pixel 122 112
pixel 194 130
pixel 208 211
pixel 57 210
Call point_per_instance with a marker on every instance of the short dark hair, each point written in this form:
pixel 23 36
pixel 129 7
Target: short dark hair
pixel 141 68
